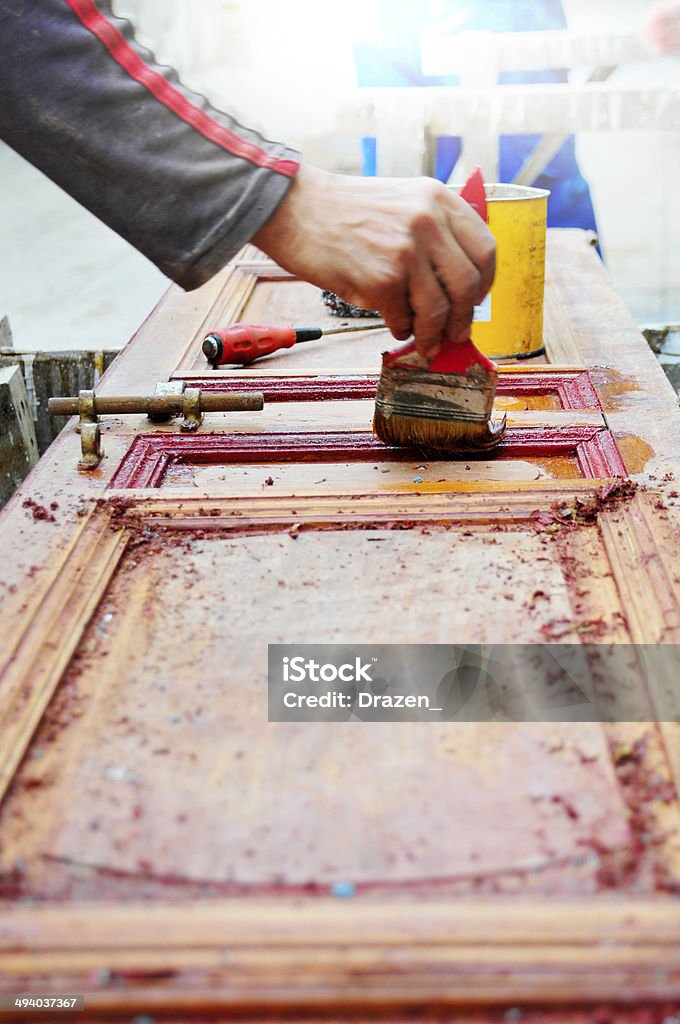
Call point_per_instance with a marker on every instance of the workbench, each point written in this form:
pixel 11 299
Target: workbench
pixel 166 849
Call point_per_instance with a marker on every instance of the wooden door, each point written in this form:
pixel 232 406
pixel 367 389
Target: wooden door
pixel 165 849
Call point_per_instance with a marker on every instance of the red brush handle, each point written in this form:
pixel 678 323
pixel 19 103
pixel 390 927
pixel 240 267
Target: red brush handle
pixel 456 357
pixel 474 193
pixel 459 357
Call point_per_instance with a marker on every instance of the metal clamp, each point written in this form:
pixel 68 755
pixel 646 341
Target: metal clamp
pixel 191 410
pixel 159 410
pixel 171 398
pixel 90 434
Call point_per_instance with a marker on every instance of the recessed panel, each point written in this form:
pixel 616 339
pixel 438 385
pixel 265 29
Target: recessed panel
pixel 179 774
pixel 360 459
pixel 418 476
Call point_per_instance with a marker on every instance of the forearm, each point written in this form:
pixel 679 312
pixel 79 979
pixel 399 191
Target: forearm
pixel 82 101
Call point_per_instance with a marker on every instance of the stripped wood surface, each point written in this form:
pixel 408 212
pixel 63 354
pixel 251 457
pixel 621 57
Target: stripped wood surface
pixel 570 385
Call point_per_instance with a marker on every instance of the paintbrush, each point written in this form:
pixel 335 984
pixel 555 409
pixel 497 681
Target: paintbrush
pixel 444 405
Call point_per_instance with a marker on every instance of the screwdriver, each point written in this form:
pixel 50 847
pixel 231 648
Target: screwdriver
pixel 244 343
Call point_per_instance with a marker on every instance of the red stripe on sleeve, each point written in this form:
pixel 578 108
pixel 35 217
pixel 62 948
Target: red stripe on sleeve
pixel 165 93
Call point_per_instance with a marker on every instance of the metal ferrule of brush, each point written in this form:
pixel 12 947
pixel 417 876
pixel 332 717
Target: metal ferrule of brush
pixel 439 396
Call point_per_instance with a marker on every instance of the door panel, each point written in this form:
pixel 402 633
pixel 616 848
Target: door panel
pixel 162 704
pixel 163 846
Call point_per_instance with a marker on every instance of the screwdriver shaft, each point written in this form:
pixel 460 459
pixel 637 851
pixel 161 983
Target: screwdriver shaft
pixel 375 325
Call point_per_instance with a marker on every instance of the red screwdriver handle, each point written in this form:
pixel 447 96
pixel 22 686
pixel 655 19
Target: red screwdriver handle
pixel 243 343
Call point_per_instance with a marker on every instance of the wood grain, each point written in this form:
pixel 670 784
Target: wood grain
pixel 331 956
pixel 561 344
pixel 35 656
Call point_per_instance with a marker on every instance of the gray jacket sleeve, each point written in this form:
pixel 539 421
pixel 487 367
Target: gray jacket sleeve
pixel 81 100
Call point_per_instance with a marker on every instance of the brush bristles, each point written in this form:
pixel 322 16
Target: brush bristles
pixel 437 435
pixel 442 412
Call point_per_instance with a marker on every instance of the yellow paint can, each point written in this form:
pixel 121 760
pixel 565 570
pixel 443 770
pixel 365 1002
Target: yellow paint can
pixel 510 320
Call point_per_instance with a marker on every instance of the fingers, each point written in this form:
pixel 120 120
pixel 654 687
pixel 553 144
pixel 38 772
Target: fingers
pixel 474 238
pixel 436 262
pixel 396 311
pixel 432 308
pixel 454 269
pixel 437 282
pixel 465 285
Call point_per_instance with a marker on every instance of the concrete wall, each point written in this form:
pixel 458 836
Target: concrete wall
pixel 53 374
pixel 18 445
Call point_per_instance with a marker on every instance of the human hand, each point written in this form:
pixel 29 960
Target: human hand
pixel 662 28
pixel 408 247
